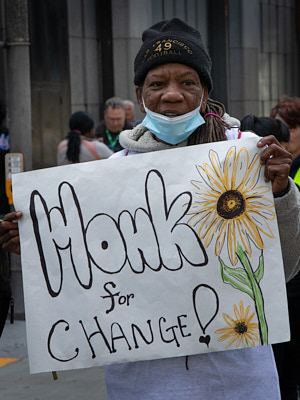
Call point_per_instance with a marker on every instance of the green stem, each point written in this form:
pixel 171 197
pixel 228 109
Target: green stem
pixel 257 293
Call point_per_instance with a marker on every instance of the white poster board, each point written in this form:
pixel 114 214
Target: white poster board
pixel 155 255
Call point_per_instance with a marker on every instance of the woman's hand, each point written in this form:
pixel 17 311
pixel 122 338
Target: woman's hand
pixel 9 232
pixel 277 161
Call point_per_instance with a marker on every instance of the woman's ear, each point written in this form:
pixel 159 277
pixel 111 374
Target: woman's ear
pixel 138 93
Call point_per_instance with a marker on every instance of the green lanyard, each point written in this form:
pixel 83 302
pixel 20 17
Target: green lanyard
pixel 112 142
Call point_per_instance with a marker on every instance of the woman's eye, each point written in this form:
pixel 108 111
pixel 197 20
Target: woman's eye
pixel 156 84
pixel 188 83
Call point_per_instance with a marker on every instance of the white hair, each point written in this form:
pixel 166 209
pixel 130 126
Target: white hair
pixel 129 102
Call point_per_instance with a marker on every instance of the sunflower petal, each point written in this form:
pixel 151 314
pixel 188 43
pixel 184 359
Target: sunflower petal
pixel 229 168
pixel 240 168
pixel 231 242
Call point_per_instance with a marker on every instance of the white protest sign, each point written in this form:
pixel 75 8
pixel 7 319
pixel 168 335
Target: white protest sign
pixel 155 255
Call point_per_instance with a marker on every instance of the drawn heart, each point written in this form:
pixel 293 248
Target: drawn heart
pixel 205 339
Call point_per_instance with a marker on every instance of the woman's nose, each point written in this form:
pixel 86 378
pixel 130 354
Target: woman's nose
pixel 172 93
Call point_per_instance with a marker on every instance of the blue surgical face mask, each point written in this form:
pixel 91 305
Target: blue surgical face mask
pixel 173 130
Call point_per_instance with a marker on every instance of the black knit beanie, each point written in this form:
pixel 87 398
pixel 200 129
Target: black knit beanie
pixel 172 41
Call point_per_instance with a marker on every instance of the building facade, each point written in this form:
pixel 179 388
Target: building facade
pixel 60 56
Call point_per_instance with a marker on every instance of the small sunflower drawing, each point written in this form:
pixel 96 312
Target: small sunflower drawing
pixel 240 331
pixel 229 205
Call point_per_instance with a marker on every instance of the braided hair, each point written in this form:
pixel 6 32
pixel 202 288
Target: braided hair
pixel 214 128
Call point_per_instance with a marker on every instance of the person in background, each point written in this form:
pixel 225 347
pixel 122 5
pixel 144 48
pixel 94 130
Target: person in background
pixel 264 126
pixel 172 74
pixel 113 123
pixel 287 355
pixel 81 145
pixel 129 113
pixel 288 111
pixel 5 288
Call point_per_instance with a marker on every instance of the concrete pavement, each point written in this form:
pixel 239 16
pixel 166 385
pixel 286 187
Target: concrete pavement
pixel 16 383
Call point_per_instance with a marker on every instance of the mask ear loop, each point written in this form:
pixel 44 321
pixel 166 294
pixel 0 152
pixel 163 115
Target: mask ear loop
pixel 201 100
pixel 144 104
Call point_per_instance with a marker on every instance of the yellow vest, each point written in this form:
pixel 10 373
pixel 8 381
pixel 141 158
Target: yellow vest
pixel 297 177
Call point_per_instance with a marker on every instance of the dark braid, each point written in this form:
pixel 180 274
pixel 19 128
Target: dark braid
pixel 73 149
pixel 214 128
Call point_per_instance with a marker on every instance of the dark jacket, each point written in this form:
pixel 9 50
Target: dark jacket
pixel 4 207
pixel 5 289
pixel 101 133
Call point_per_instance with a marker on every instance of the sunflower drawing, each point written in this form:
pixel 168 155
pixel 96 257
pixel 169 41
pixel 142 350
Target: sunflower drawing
pixel 239 330
pixel 229 206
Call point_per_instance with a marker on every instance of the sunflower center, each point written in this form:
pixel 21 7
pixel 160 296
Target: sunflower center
pixel 241 328
pixel 231 204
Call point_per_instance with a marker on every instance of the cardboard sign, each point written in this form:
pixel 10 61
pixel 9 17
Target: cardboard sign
pixel 155 255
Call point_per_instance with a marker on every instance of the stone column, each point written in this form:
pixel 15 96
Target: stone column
pixel 19 110
pixel 18 79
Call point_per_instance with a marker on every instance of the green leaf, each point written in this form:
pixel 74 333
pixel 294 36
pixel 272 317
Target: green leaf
pixel 236 277
pixel 259 273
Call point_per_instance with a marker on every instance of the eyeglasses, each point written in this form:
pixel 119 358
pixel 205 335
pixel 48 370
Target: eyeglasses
pixel 115 119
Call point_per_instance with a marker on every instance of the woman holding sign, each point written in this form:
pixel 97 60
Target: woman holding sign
pixel 173 81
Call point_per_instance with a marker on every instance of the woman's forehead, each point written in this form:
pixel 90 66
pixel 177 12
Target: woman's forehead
pixel 175 69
